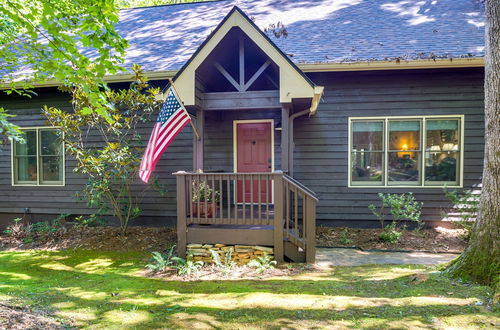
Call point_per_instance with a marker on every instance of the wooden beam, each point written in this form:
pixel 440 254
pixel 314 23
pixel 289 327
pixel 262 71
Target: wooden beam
pixel 228 76
pixel 256 74
pixel 242 61
pixel 285 137
pixel 242 100
pixel 275 84
pixel 181 215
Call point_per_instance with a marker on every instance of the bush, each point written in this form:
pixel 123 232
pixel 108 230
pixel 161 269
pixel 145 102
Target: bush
pixel 228 263
pixel 261 264
pixel 187 267
pixel 18 229
pixel 161 262
pixel 93 220
pixel 400 207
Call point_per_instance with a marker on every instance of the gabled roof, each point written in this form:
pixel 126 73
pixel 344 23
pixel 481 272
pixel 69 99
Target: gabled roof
pixel 163 38
pixel 293 82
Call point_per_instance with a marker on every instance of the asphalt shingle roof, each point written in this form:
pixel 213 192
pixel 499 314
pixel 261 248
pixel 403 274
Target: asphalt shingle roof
pixel 319 31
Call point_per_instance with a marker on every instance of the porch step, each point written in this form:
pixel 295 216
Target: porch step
pixel 292 251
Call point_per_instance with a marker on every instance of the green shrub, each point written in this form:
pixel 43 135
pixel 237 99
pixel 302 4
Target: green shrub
pixel 228 263
pixel 161 262
pixel 187 266
pixel 93 220
pixel 261 264
pixel 344 239
pixel 399 207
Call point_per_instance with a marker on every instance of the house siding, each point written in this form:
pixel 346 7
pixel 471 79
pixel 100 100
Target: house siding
pixel 321 152
pixel 321 144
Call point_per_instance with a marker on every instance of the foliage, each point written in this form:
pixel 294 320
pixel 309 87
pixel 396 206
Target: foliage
pixel 18 229
pixel 400 207
pixel 343 237
pixel 93 220
pixel 7 129
pixel 187 266
pixel 148 3
pixel 71 41
pixel 466 204
pixel 228 263
pixel 261 264
pixel 390 234
pixel 161 262
pixel 202 192
pixel 112 165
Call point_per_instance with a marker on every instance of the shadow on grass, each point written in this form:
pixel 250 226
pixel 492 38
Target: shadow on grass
pixel 104 289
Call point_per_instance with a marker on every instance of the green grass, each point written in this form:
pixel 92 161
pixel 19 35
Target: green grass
pixel 106 290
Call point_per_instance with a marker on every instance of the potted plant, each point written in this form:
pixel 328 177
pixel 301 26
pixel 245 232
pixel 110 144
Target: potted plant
pixel 204 199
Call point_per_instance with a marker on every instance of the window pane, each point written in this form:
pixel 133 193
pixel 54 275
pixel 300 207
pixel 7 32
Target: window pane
pixel 25 169
pixel 51 168
pixel 50 142
pixel 28 148
pixel 404 135
pixel 368 135
pixel 366 167
pixel 441 166
pixel 404 167
pixel 442 135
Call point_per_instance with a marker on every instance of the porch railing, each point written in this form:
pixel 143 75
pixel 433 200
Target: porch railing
pixel 248 200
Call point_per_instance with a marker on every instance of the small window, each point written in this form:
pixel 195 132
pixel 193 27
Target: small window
pixel 414 151
pixel 39 161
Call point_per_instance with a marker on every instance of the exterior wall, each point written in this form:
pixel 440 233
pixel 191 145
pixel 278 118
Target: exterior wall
pixel 320 158
pixel 321 153
pixel 49 202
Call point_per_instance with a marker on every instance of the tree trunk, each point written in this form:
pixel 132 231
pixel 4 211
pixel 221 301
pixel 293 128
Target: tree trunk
pixel 481 260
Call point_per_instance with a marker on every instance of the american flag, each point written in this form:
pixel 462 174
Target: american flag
pixel 172 119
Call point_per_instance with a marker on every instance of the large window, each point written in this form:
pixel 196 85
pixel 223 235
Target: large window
pixel 39 161
pixel 406 151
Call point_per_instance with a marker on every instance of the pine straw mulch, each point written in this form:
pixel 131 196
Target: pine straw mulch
pixel 436 240
pixel 160 238
pixel 15 317
pixel 96 238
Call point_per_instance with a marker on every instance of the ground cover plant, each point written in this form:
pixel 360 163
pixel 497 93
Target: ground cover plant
pixel 93 289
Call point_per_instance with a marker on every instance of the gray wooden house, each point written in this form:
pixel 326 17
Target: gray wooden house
pixel 301 123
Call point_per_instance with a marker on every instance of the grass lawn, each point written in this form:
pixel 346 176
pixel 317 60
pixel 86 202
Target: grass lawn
pixel 106 290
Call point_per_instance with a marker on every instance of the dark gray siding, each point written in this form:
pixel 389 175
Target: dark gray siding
pixel 57 200
pixel 321 141
pixel 321 144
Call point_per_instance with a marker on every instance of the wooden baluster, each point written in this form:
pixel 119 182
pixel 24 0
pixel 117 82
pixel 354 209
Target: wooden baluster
pixel 304 206
pixel 236 184
pixel 287 205
pixel 228 183
pixel 189 183
pixel 221 215
pixel 259 197
pixel 251 198
pixel 296 217
pixel 244 198
pixel 213 203
pixel 268 186
pixel 205 183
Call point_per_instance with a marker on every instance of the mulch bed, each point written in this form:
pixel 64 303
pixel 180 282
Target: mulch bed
pixel 213 273
pixel 160 238
pixel 97 238
pixel 430 240
pixel 14 317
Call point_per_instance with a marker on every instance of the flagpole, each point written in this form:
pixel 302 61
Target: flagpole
pixel 191 122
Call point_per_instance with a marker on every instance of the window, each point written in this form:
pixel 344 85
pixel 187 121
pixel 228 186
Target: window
pixel 406 151
pixel 39 161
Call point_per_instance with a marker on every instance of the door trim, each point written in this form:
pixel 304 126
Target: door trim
pixel 235 138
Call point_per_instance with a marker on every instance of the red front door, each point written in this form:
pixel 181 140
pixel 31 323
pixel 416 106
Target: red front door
pixel 254 155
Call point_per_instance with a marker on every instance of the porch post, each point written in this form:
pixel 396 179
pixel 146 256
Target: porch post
pixel 198 144
pixel 181 214
pixel 285 138
pixel 278 216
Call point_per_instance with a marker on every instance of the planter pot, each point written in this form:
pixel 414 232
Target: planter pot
pixel 206 209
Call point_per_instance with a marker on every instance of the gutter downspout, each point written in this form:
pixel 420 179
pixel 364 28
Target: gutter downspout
pixel 291 139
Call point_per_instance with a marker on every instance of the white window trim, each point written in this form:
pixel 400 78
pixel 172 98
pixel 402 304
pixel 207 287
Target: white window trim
pixel 423 127
pixel 37 184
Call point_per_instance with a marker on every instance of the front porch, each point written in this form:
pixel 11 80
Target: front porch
pixel 234 212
